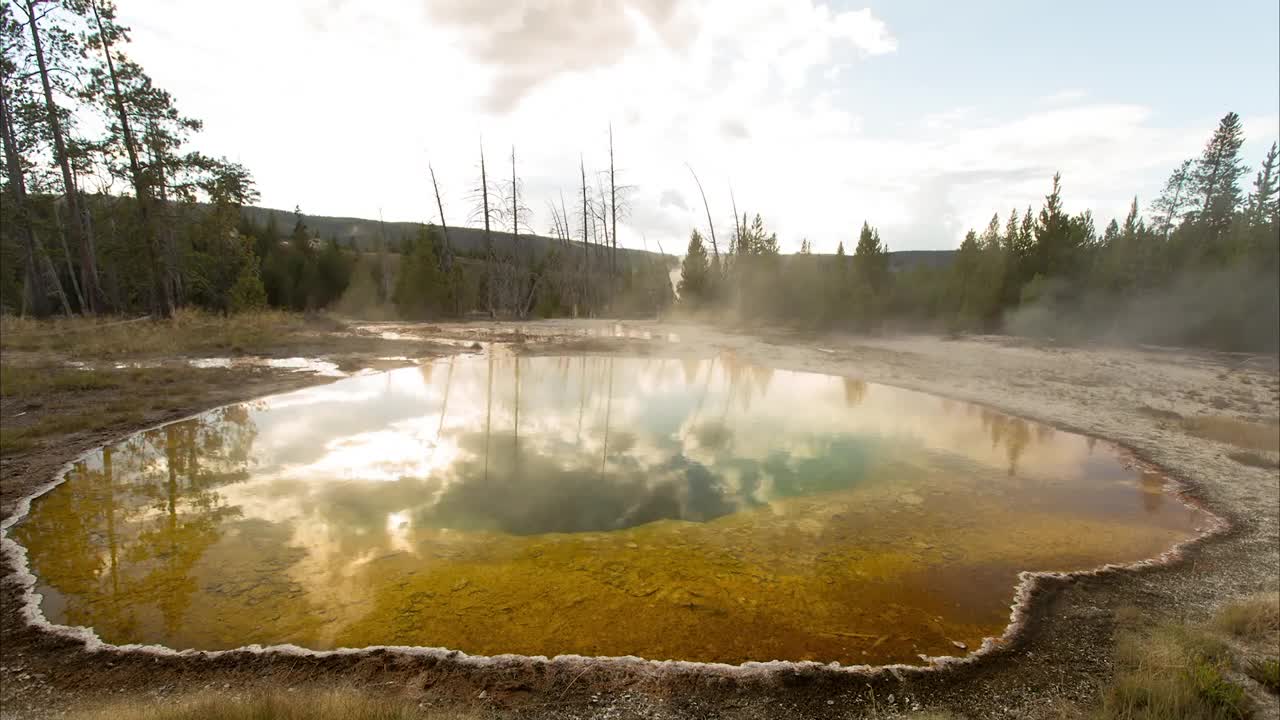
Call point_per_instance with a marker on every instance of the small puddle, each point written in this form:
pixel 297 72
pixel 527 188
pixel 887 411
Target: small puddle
pixel 664 508
pixel 324 368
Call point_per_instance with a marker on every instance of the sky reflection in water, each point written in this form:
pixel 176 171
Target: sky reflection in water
pixel 703 510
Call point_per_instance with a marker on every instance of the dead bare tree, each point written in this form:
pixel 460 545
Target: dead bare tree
pixel 557 225
pixel 564 214
pixel 601 212
pixel 613 205
pixel 384 264
pixel 488 236
pixel 586 257
pixel 518 267
pixel 484 212
pixel 446 259
pixel 714 247
pixel 737 228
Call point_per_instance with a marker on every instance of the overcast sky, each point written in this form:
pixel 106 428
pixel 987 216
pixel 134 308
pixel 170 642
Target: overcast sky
pixel 922 117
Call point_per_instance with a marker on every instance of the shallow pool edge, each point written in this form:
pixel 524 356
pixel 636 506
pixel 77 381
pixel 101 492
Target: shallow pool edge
pixel 1029 585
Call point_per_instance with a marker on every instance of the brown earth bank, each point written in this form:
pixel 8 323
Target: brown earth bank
pixel 1204 417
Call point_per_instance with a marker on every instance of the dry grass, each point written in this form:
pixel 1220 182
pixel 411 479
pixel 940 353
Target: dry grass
pixel 1184 672
pixel 1159 413
pixel 1266 671
pixel 43 403
pixel 1172 672
pixel 189 330
pixel 1255 459
pixel 335 704
pixel 25 382
pixel 1241 433
pixel 1255 619
pixel 1129 617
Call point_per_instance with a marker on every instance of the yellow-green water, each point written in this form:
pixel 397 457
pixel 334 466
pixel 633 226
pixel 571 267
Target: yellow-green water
pixel 695 510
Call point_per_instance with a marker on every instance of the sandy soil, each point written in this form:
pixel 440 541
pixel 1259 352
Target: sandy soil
pixel 1062 656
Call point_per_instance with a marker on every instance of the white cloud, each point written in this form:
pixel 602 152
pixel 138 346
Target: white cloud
pixel 338 107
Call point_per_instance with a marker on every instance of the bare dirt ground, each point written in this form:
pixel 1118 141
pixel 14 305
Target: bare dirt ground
pixel 1139 398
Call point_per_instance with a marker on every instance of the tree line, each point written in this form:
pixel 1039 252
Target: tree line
pixel 1201 266
pixel 107 210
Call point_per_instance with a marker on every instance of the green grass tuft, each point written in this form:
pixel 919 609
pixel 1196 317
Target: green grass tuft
pixel 1266 672
pixel 1225 698
pixel 1172 672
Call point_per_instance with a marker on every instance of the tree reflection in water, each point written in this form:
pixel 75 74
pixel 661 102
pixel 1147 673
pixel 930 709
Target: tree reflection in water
pixel 699 509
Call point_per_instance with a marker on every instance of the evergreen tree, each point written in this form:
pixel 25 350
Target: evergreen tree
pixel 695 274
pixel 247 293
pixel 1216 178
pixel 870 279
pixel 1058 236
pixel 1262 217
pixel 1173 202
pixel 1264 201
pixel 333 273
pixel 871 259
pixel 421 291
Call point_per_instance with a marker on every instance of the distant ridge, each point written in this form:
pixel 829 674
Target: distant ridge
pixel 363 234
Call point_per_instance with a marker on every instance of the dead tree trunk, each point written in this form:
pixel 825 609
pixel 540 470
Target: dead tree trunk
pixel 515 207
pixel 66 255
pixel 488 235
pixel 737 228
pixel 80 237
pixel 613 206
pixel 564 214
pixel 447 255
pixel 517 273
pixel 586 257
pixel 714 248
pixel 384 264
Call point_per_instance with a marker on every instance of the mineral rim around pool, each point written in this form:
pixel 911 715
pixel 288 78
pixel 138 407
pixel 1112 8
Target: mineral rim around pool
pixel 693 510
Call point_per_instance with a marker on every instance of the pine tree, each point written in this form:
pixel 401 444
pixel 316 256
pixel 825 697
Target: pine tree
pixel 694 287
pixel 871 259
pixel 1058 236
pixel 1111 235
pixel 1262 217
pixel 420 290
pixel 991 236
pixel 1173 202
pixel 1264 201
pixel 1216 178
pixel 248 293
